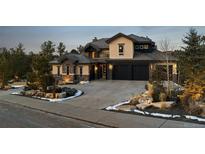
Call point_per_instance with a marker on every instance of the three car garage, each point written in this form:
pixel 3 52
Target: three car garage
pixel 130 71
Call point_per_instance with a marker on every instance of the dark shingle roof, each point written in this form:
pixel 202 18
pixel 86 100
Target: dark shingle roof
pixel 102 43
pixel 140 38
pixel 153 56
pixel 98 44
pixel 72 58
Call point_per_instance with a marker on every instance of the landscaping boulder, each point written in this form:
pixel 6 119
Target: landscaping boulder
pixel 61 95
pixel 163 105
pixel 50 89
pixel 30 92
pixel 143 106
pixel 40 94
pixel 49 95
pixel 145 99
pixel 134 100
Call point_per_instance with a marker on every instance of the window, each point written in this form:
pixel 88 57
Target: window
pixel 137 46
pixel 81 71
pixel 121 49
pixel 58 70
pixel 64 69
pixel 67 69
pixel 146 46
pixel 141 46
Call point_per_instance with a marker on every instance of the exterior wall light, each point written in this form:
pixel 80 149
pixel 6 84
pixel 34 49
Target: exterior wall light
pixel 110 66
pixel 96 68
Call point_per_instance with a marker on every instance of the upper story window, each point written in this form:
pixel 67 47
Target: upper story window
pixel 141 47
pixel 121 49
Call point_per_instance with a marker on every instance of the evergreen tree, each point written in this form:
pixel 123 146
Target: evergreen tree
pixel 47 49
pixel 61 49
pixel 191 58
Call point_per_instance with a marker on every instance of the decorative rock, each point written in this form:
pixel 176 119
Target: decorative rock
pixel 40 94
pixel 30 92
pixel 61 95
pixel 143 106
pixel 49 95
pixel 145 99
pixel 134 100
pixel 163 105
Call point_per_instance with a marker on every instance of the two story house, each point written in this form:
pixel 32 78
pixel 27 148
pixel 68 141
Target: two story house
pixel 121 57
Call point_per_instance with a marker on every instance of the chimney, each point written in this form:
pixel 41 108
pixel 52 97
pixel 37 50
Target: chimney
pixel 95 39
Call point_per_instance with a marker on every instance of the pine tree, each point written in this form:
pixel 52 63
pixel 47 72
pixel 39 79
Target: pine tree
pixel 61 49
pixel 191 58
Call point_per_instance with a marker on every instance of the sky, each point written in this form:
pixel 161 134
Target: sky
pixel 73 36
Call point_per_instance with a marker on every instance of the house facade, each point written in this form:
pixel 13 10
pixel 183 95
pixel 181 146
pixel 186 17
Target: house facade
pixel 121 57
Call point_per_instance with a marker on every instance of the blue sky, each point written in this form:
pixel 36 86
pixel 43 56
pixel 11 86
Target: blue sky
pixel 73 36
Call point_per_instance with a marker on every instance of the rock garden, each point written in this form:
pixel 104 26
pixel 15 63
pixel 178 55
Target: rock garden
pixel 52 94
pixel 185 103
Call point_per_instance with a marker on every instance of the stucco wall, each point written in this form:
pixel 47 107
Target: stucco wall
pixel 104 54
pixel 128 48
pixel 85 69
pixel 55 69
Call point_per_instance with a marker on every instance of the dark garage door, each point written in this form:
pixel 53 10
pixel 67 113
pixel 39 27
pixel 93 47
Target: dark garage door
pixel 122 72
pixel 140 72
pixel 130 72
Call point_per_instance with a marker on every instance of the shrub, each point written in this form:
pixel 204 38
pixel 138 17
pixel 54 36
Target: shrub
pixel 157 89
pixel 33 85
pixel 194 110
pixel 46 80
pixel 71 92
pixel 162 96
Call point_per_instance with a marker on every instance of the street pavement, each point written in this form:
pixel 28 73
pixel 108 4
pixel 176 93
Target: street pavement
pixel 16 116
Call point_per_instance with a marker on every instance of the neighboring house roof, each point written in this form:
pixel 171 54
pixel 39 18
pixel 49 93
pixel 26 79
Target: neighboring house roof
pixel 72 58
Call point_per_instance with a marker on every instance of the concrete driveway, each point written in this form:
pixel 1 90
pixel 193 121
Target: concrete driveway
pixel 100 94
pixel 97 94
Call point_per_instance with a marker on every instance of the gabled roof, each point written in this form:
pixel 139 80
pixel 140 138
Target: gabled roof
pixel 131 37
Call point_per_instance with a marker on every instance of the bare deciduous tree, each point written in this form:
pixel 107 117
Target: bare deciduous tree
pixel 166 46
